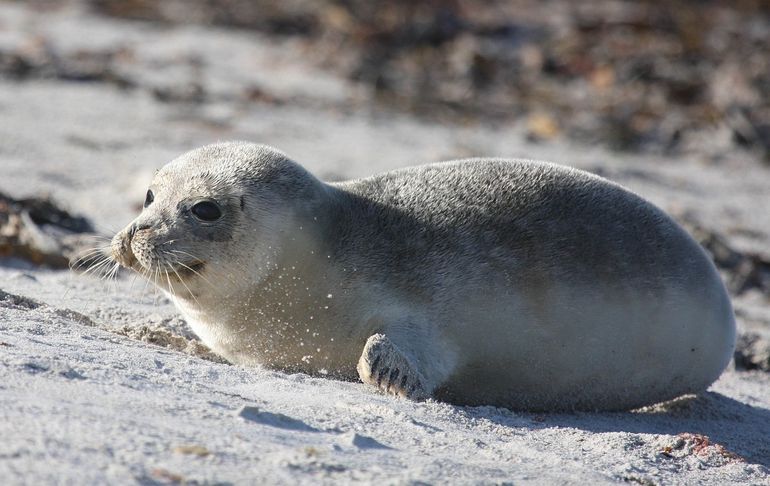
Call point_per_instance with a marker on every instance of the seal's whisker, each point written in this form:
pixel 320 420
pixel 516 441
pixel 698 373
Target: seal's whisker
pixel 155 286
pixel 185 286
pixel 158 278
pixel 133 281
pixel 181 252
pixel 95 268
pixel 113 272
pixel 88 255
pixel 97 237
pixel 170 287
pixel 91 251
pixel 198 274
pixel 146 276
pixel 103 229
pixel 92 259
pixel 105 270
pixel 112 276
pixel 190 268
pixel 226 276
pixel 94 264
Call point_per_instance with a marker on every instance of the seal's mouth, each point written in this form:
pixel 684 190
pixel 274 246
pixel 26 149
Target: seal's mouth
pixel 190 269
pixel 150 260
pixel 176 271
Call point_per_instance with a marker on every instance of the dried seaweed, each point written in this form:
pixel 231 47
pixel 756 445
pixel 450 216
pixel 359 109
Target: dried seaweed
pixel 39 231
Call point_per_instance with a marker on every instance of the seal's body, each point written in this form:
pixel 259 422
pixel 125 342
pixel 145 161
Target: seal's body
pixel 486 281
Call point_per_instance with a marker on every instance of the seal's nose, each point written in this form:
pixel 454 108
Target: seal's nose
pixel 135 228
pixel 120 247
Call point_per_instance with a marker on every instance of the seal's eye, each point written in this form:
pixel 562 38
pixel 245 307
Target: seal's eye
pixel 149 198
pixel 207 211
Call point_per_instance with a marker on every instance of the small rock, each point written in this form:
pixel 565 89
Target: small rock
pixel 363 442
pixel 71 374
pixel 34 368
pixel 193 450
pixel 279 420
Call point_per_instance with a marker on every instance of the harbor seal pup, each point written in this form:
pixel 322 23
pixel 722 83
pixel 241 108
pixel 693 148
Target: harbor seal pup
pixel 512 283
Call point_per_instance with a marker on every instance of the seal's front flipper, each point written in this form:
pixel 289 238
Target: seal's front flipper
pixel 383 365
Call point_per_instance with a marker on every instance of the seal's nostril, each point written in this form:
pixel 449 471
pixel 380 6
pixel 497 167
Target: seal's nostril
pixel 137 228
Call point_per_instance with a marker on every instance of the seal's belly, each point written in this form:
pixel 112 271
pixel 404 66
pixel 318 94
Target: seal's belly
pixel 583 348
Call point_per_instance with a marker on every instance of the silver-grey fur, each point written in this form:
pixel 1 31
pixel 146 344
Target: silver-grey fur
pixel 484 281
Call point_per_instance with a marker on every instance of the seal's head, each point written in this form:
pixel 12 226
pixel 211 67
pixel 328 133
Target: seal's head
pixel 211 214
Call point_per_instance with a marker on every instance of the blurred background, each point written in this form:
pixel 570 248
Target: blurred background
pixel 670 98
pixel 656 77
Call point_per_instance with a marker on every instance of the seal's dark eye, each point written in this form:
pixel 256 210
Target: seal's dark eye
pixel 207 211
pixel 149 198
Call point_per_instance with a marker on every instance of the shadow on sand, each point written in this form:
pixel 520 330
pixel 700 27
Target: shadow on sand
pixel 740 428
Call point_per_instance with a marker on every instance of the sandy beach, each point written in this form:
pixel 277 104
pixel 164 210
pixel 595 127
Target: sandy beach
pixel 102 382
